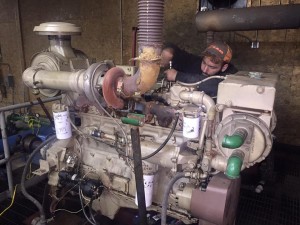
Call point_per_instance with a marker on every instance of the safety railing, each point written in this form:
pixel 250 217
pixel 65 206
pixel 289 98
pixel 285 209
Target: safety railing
pixel 6 150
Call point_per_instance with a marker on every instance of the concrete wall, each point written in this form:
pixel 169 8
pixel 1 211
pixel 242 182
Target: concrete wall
pixel 101 24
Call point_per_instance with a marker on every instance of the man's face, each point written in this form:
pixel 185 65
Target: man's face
pixel 210 68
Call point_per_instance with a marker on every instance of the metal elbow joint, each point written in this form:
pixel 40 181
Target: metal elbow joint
pixel 117 85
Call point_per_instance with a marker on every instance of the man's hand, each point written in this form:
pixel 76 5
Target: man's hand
pixel 171 74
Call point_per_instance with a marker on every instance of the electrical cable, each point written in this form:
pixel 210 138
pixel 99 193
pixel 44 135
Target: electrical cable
pixel 82 206
pixel 23 189
pixel 72 212
pixel 91 211
pixel 201 81
pixel 54 204
pixel 12 202
pixel 157 150
pixel 68 211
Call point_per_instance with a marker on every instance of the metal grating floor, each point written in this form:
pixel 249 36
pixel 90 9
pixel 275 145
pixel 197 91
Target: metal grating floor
pixel 278 204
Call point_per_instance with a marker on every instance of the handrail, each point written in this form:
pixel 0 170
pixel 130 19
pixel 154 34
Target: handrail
pixel 6 151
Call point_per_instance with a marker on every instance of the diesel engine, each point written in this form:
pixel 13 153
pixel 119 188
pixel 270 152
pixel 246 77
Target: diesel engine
pixel 138 142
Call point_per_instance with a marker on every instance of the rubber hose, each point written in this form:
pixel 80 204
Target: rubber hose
pixel 165 142
pixel 23 189
pixel 82 206
pixel 166 197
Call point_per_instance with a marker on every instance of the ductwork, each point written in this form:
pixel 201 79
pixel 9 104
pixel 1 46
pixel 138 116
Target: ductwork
pixel 253 18
pixel 115 83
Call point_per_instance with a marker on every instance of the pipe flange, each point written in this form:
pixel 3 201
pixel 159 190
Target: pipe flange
pixel 92 79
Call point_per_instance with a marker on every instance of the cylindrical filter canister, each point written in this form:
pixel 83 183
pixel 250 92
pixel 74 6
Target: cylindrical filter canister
pixel 148 187
pixel 62 124
pixel 191 122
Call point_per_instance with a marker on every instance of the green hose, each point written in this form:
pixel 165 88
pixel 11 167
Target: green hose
pixel 131 121
pixel 234 165
pixel 236 140
pixel 134 119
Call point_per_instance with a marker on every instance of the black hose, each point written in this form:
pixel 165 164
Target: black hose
pixel 166 197
pixel 158 149
pixel 82 206
pixel 23 189
pixel 91 211
pixel 165 142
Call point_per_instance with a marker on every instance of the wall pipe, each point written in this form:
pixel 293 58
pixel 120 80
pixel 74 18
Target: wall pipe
pixel 253 18
pixel 133 47
pixel 20 43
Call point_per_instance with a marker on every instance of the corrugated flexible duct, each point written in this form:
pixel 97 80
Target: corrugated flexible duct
pixel 253 18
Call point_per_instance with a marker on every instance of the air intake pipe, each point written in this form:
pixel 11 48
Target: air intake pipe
pixel 253 18
pixel 115 83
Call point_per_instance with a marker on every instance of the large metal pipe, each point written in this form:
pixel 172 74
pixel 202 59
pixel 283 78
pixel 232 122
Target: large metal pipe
pixel 253 18
pixel 37 78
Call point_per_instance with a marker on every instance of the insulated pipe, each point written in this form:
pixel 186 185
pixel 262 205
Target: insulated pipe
pixel 253 18
pixel 147 74
pixel 150 24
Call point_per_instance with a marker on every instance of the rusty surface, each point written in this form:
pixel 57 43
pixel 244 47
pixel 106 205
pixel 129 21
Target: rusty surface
pixel 110 85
